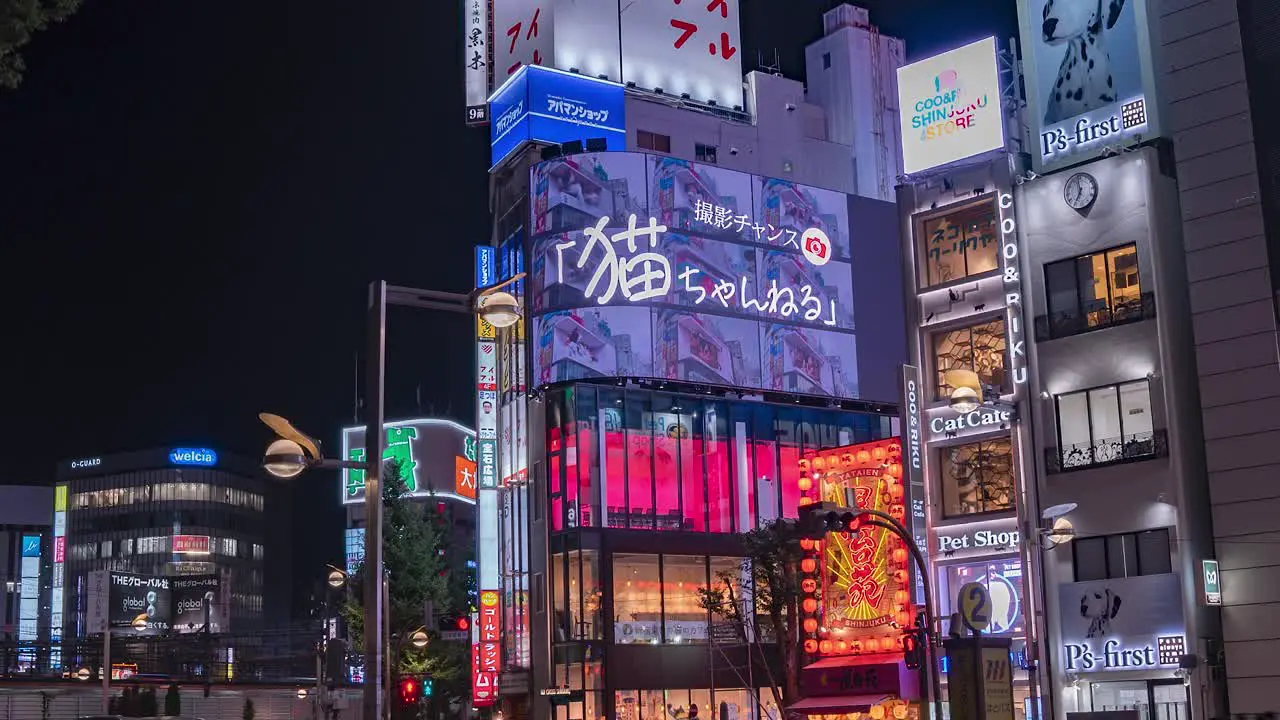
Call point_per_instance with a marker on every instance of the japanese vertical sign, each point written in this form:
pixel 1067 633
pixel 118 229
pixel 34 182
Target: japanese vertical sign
pixel 486 654
pixel 522 35
pixel 486 379
pixel 684 47
pixel 475 59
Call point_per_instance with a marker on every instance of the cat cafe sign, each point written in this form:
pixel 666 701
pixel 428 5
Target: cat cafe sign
pixel 947 424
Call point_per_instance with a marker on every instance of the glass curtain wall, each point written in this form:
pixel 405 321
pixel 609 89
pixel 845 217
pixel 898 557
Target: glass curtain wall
pixel 643 460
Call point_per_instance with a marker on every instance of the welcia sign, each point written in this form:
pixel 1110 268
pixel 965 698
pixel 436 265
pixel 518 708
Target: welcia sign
pixel 203 457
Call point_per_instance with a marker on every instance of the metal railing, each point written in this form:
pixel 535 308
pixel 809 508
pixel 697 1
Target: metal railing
pixel 1065 324
pixel 1108 451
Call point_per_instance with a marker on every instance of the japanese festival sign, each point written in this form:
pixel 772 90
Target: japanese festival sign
pixel 865 580
pixel 486 654
pixel 652 266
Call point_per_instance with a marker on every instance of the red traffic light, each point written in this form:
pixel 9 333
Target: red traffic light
pixel 464 623
pixel 409 691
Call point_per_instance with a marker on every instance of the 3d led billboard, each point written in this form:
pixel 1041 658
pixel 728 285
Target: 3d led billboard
pixel 436 456
pixel 650 266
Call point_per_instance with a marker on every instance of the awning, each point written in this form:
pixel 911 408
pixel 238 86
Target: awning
pixel 836 704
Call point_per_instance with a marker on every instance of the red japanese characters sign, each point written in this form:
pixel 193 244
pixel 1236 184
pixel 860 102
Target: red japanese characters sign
pixel 484 684
pixel 684 46
pixel 522 35
pixel 864 585
pixel 486 655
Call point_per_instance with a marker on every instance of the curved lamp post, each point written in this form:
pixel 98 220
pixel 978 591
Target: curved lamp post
pixel 292 451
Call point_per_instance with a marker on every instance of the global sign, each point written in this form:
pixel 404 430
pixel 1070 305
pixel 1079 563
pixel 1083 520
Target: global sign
pixel 545 105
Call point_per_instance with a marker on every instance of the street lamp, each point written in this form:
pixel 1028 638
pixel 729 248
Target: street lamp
pixel 289 459
pixel 418 638
pixel 336 578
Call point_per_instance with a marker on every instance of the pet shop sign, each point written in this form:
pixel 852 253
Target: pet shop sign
pixel 989 537
pixel 628 265
pixel 1122 624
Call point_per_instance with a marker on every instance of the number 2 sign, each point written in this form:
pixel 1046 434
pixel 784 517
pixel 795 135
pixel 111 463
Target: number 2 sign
pixel 974 603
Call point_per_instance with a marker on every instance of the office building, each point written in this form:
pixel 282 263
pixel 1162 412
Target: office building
pixel 26 552
pixel 168 513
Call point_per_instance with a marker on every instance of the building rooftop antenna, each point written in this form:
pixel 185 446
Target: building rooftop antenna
pixel 775 68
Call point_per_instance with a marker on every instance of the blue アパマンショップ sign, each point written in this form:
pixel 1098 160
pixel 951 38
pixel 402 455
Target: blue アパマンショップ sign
pixel 554 106
pixel 193 456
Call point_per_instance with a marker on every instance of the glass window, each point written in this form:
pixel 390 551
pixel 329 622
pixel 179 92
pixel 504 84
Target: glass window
pixel 585 595
pixel 1003 580
pixel 1124 555
pixel 670 423
pixel 637 599
pixel 960 243
pixel 653 141
pixel 613 472
pixel 716 442
pixel 704 153
pixel 684 620
pixel 1093 291
pixel 977 477
pixel 693 477
pixel 980 348
pixel 1105 425
pixel 641 513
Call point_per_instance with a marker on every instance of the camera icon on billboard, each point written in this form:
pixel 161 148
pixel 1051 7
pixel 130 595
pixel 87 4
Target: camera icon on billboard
pixel 816 246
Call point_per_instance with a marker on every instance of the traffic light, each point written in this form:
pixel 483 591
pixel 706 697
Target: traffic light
pixel 410 691
pixel 453 623
pixel 818 519
pixel 428 687
pixel 913 648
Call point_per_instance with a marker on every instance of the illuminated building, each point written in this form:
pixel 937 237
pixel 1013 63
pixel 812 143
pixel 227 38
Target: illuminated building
pixel 26 555
pixel 705 260
pixel 173 512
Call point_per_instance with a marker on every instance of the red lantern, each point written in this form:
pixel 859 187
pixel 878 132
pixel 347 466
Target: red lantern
pixel 810 585
pixel 864 456
pixel 803 463
pixel 900 555
pixel 904 619
pixel 896 492
pixel 811 646
pixel 804 484
pixel 824 647
pixel 878 453
pixel 810 605
pixel 900 597
pixel 819 463
pixel 810 625
pixel 895 449
pixel 900 576
pixel 895 470
pixel 871 645
pixel 806 543
pixel 808 565
pixel 805 500
pixel 841 646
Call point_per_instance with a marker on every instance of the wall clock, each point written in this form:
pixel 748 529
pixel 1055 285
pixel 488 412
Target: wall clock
pixel 1080 191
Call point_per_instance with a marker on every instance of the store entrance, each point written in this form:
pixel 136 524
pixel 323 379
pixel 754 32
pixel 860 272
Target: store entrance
pixel 1153 699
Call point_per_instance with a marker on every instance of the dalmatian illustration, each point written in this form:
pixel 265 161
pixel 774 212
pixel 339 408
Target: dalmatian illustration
pixel 1099 608
pixel 1084 77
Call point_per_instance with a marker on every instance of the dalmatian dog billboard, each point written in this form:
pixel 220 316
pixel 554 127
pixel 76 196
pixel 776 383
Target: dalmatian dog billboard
pixel 1126 623
pixel 1087 68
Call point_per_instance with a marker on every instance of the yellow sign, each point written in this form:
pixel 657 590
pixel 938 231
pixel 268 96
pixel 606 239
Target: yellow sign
pixel 60 498
pixel 489 598
pixel 997 683
pixel 485 330
pixel 975 606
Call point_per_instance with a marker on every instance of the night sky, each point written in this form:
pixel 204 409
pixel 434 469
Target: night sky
pixel 194 196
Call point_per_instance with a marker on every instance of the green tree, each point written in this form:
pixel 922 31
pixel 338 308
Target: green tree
pixel 421 564
pixel 19 20
pixel 173 700
pixel 771 585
